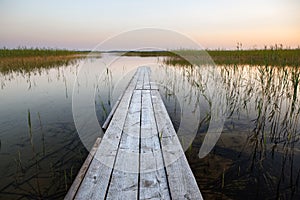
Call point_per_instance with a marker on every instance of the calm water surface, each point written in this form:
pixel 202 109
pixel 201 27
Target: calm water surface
pixel 257 155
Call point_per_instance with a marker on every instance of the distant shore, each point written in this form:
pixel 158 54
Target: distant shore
pixel 274 57
pixel 27 58
pixel 24 59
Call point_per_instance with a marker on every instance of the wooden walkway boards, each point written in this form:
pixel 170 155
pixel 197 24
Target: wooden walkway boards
pixel 140 156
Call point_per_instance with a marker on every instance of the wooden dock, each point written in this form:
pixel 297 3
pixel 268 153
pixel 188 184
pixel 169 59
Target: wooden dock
pixel 140 156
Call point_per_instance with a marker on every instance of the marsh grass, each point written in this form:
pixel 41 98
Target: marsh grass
pixel 272 93
pixel 56 166
pixel 276 57
pixel 264 99
pixel 26 60
pixel 32 52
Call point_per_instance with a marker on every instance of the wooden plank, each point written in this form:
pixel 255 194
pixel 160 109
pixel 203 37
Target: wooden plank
pixel 146 84
pixel 140 156
pixel 181 180
pixel 113 110
pixel 124 181
pixel 154 85
pixel 153 180
pixel 140 81
pixel 75 186
pixel 96 181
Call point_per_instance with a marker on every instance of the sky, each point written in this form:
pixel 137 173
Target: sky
pixel 82 24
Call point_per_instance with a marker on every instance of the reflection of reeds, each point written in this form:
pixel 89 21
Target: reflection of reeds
pixel 29 125
pixel 276 123
pixel 42 131
pixel 62 166
pixel 104 101
pixel 20 161
pixel 109 82
pixel 66 180
pixel 267 98
pixel 30 176
pixel 104 110
pixel 223 178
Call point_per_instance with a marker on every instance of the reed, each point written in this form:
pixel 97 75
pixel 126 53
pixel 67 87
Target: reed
pixel 223 179
pixel 32 52
pixel 271 56
pixel 25 60
pixel 266 98
pixel 29 125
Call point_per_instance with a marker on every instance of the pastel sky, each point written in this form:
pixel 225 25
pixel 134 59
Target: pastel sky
pixel 82 24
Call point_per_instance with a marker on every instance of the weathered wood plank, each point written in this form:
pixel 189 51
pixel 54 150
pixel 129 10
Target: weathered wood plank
pixel 96 181
pixel 139 76
pixel 153 180
pixel 140 156
pixel 76 184
pixel 153 85
pixel 146 85
pixel 181 180
pixel 140 80
pixel 124 181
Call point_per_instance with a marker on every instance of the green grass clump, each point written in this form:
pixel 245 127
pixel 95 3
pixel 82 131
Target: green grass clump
pixel 25 59
pixel 274 57
pixel 31 52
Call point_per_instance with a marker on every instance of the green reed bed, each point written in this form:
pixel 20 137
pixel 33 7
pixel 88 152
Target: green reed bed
pixel 260 140
pixel 24 59
pixel 278 57
pixel 31 52
pixel 275 57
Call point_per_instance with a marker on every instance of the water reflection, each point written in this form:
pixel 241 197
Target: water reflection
pixel 40 150
pixel 257 155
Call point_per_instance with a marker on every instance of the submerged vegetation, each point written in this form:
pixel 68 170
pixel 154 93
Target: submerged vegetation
pixel 24 59
pixel 257 155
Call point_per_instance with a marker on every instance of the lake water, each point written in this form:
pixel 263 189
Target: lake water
pixel 257 154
